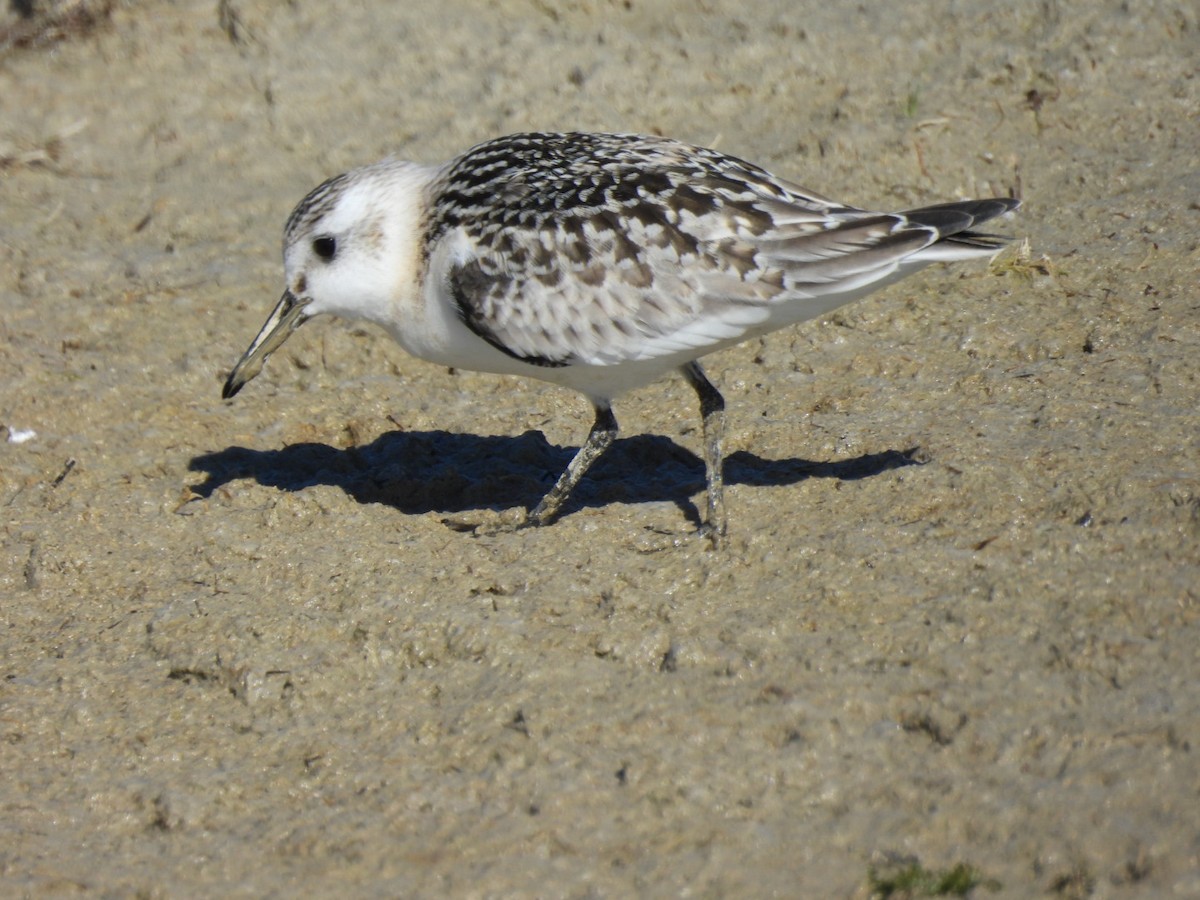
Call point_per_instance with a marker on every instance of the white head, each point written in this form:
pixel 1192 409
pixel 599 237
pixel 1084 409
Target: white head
pixel 350 249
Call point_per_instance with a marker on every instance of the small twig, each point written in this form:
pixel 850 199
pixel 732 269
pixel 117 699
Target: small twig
pixel 67 467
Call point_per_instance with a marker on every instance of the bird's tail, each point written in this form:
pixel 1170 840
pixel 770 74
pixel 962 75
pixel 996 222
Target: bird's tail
pixel 953 223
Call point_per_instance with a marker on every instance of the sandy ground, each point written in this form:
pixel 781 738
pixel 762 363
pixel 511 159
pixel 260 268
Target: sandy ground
pixel 959 615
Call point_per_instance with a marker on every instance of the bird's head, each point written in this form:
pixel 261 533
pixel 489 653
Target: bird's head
pixel 349 249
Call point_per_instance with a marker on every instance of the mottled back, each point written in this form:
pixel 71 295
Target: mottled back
pixel 647 245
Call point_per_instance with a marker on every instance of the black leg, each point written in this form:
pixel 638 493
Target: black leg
pixel 603 433
pixel 712 410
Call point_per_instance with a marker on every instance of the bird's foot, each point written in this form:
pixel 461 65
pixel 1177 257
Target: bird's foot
pixel 659 539
pixel 486 522
pixel 715 534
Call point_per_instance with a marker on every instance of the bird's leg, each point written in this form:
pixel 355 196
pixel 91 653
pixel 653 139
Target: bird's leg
pixel 603 433
pixel 712 411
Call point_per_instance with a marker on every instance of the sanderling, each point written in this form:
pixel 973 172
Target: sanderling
pixel 598 262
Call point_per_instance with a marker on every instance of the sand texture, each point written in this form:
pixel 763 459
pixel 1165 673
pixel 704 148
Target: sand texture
pixel 958 619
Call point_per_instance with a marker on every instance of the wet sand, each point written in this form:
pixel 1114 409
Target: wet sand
pixel 958 617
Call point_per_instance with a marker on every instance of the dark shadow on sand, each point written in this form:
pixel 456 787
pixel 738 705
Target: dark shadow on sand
pixel 437 471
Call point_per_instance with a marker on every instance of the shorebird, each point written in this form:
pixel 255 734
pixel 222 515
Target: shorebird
pixel 598 262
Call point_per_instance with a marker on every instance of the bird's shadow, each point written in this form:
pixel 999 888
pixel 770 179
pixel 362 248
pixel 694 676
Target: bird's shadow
pixel 439 471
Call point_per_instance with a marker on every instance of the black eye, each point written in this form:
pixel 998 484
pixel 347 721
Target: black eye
pixel 325 247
